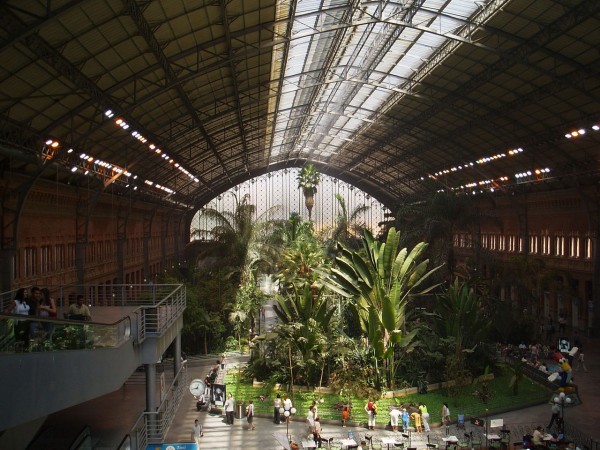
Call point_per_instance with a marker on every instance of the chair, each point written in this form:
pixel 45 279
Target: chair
pixel 326 441
pixel 460 421
pixel 431 445
pixel 476 442
pixel 495 444
pixel 376 445
pixel 505 439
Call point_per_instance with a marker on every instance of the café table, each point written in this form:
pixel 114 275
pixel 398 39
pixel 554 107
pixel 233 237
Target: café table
pixel 347 442
pixel 492 437
pixel 388 440
pixel 450 440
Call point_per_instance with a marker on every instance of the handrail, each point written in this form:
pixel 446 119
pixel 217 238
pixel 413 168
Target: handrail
pixel 83 440
pixel 102 294
pixel 157 306
pixel 155 319
pixel 151 427
pixel 46 334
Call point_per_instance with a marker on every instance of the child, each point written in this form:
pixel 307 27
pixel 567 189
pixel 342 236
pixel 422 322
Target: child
pixel 405 420
pixel 345 415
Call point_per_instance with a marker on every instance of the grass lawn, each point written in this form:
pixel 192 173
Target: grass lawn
pixel 463 403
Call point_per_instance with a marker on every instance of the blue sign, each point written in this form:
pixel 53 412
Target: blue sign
pixel 187 446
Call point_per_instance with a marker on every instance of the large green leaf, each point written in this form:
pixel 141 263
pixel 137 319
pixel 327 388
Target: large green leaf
pixel 345 281
pixel 388 314
pixel 373 325
pixel 362 270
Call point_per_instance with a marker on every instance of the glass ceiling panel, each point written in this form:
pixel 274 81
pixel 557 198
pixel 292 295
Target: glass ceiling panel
pixel 345 63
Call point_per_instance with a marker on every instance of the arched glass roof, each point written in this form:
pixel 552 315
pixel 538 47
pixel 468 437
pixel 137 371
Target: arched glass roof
pixel 176 102
pixel 278 191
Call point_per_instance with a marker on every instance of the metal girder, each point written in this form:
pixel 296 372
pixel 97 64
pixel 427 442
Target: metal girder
pixel 65 68
pixel 236 91
pixel 19 33
pixel 507 60
pixel 148 35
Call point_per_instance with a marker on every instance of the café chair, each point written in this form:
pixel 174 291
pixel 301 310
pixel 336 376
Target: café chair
pixel 375 444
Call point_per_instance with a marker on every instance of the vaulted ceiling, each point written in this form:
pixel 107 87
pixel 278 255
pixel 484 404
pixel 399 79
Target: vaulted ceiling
pixel 176 101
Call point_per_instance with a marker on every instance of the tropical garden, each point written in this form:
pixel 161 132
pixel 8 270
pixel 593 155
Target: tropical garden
pixel 359 314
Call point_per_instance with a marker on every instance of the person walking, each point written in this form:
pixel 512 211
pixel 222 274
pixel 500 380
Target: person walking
pixel 197 432
pixel 425 417
pixel 276 407
pixel 581 362
pixel 229 406
pixel 555 415
pixel 370 410
pixel 310 422
pixel 345 416
pixel 250 415
pixel 394 416
pixel 446 417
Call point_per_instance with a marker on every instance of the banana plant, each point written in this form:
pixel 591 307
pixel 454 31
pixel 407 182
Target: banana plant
pixel 382 279
pixel 305 318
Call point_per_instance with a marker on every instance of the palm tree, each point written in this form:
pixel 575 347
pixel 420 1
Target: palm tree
pixel 463 320
pixel 382 279
pixel 239 239
pixel 305 317
pixel 436 220
pixel 348 228
pixel 308 180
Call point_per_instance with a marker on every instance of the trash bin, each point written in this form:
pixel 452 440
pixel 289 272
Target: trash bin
pixel 240 411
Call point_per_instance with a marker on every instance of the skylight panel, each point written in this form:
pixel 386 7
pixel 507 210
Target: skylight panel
pixel 333 96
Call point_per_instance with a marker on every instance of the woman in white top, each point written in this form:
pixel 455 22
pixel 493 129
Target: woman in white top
pixel 21 307
pixel 276 407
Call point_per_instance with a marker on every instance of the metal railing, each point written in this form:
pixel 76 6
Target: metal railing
pixel 39 334
pixel 157 306
pixel 102 294
pixel 155 319
pixel 151 427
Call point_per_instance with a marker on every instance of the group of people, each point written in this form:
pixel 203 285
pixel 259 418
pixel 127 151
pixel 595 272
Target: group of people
pixel 314 430
pixel 37 302
pixel 420 417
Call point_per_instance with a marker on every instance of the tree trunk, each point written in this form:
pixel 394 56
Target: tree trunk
pixel 309 201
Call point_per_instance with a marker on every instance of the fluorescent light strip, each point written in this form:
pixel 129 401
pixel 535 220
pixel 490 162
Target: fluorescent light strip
pixel 152 147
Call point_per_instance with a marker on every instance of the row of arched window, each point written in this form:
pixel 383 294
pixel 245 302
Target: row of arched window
pixel 544 244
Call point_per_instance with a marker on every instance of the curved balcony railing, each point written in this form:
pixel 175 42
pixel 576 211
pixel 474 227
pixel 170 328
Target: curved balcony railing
pixel 37 334
pixel 153 308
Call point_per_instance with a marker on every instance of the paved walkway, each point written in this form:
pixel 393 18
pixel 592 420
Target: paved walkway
pixel 218 435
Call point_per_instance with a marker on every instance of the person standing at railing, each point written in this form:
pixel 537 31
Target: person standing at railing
pixel 47 308
pixel 21 306
pixel 79 311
